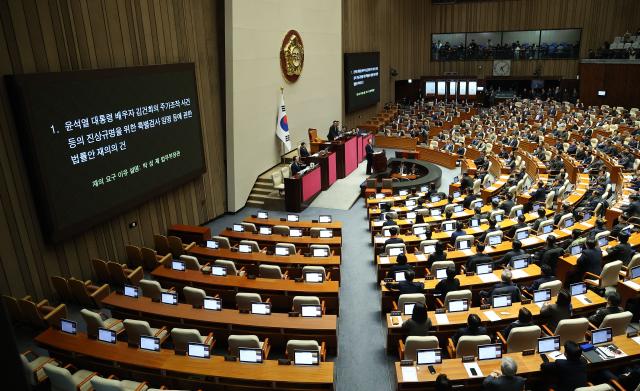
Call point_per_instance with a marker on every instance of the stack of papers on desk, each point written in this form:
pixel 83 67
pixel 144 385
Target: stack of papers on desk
pixel 409 374
pixel 421 257
pixel 474 365
pixel 492 316
pixel 384 259
pixel 442 319
pixel 489 277
pixel 582 299
pixel 519 273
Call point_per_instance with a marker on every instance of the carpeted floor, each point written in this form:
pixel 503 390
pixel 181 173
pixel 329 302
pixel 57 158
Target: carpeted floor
pixel 344 192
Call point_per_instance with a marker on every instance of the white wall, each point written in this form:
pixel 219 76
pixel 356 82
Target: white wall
pixel 254 30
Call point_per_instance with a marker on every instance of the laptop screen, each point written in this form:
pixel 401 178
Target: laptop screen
pixel 408 308
pixel 106 335
pixel 313 277
pixel 429 249
pixel 576 250
pixel 244 248
pixel 379 196
pixel 435 212
pixel 464 245
pixel 495 240
pixel 520 263
pixel 399 276
pixel 441 274
pixel 579 288
pixel 435 198
pixel 474 223
pixel 212 244
pixel 522 234
pixel 548 344
pixel 448 227
pixel 212 304
pixel 500 301
pixel 282 250
pixel 586 217
pixel 403 192
pixel 326 233
pixel 602 335
pixel 458 305
pixel 419 230
pixel 484 268
pixel 68 326
pixel 220 271
pixel 263 215
pixel 536 207
pixel 293 218
pixel 295 232
pixel 395 251
pixel 198 350
pixel 310 311
pixel 178 265
pixel 489 351
pixel 456 194
pixel 498 217
pixel 411 215
pixel 265 231
pixel 518 212
pixel 428 356
pixel 541 295
pixel 634 272
pixel 456 179
pixel 495 199
pixel 169 298
pixel 250 355
pixel 603 241
pixel 547 229
pixel 320 252
pixel 131 291
pixel 458 209
pixel 306 357
pixel 410 203
pixel 261 308
pixel 150 343
pixel 386 232
pixel 324 219
pixel 568 222
pixel 238 228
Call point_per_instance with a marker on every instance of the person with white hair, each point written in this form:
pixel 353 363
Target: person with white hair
pixel 507 379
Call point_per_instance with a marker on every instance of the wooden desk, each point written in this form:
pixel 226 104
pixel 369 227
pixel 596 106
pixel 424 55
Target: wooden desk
pixel 251 261
pixel 281 292
pixel 439 157
pixel 278 327
pixel 474 283
pixel 459 319
pixel 528 366
pixel 190 233
pixel 497 186
pixel 336 226
pixel 628 290
pixel 165 367
pixel 394 142
pixel 273 239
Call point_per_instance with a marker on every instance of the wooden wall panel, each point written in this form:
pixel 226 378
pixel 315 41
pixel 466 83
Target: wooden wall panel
pixel 401 31
pixel 61 35
pixel 615 79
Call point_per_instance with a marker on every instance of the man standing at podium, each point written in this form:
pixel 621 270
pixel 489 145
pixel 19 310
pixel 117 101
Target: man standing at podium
pixel 369 152
pixel 334 131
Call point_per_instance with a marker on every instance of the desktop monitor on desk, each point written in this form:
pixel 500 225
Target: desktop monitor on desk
pixel 149 343
pixel 250 355
pixel 178 265
pixel 548 344
pixel 501 301
pixel 541 295
pixel 106 335
pixel 601 336
pixel 212 244
pixel 198 350
pixel 428 356
pixel 310 311
pixel 489 351
pixel 68 326
pixel 458 305
pixel 306 357
pixel 212 304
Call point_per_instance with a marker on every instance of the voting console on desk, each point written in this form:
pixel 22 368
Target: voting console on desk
pixel 300 189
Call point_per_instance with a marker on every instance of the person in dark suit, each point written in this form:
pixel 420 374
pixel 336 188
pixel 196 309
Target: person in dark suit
pixel 303 151
pixel 438 256
pixel 466 182
pixel 470 197
pixel 492 228
pixel 474 327
pixel 296 165
pixel 479 161
pixel 458 232
pixel 334 131
pixel 570 373
pixel 621 251
pixel 633 209
pixel 504 287
pixel 516 251
pixel 451 283
pixel 524 319
pixel 552 313
pixel 401 265
pixel 394 237
pixel 369 154
pixel 507 380
pixel 541 192
pixel 613 307
pixel 590 260
pixel 547 276
pixel 507 204
pixel 407 286
pixel 419 324
pixel 550 253
pixel 622 224
pixel 388 220
pixel 478 259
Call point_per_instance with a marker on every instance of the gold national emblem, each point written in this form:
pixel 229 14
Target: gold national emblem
pixel 292 56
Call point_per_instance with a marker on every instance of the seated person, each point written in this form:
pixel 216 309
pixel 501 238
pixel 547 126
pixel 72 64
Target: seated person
pixel 569 373
pixel 407 286
pixel 474 327
pixel 466 202
pixel 303 151
pixel 590 260
pixel 458 232
pixel 451 283
pixel 622 224
pixel 296 165
pixel 547 276
pixel 394 237
pixel 516 251
pixel 550 253
pixel 524 319
pixel 438 255
pixel 621 251
pixel 504 287
pixel 542 216
pixel 507 204
pixel 477 259
pixel 388 221
pixel 419 323
pixel 401 265
pixel 520 224
pixel 492 228
pixel 613 307
pixel 507 380
pixel 552 313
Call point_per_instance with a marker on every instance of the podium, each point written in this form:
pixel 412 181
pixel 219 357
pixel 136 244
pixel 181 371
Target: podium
pixel 301 189
pixel 379 162
pixel 327 163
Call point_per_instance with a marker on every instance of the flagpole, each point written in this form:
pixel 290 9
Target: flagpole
pixel 282 147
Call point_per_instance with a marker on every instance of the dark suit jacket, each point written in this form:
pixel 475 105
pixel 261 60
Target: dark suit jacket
pixel 621 252
pixel 466 183
pixel 476 260
pixel 506 206
pixel 445 286
pixel 568 375
pixel 304 152
pixel 333 133
pixel 467 331
pixel 406 287
pixel 397 268
pixel 540 194
pixel 598 317
pixel 369 151
pixel 506 289
pixel 504 383
pixel 413 328
pixel 590 261
pixel 552 314
pixel 393 241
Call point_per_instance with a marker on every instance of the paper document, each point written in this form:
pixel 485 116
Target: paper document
pixel 421 257
pixel 566 230
pixel 492 316
pixel 384 259
pixel 633 285
pixel 489 277
pixel 396 320
pixel 636 339
pixel 556 355
pixel 582 299
pixel 473 365
pixel 519 273
pixel 409 374
pixel 442 319
pixel 529 241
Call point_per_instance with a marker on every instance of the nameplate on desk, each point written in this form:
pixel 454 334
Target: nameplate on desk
pixel 519 273
pixel 440 311
pixel 468 358
pixel 525 301
pixel 528 352
pixel 395 313
pixel 406 363
pixel 430 277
